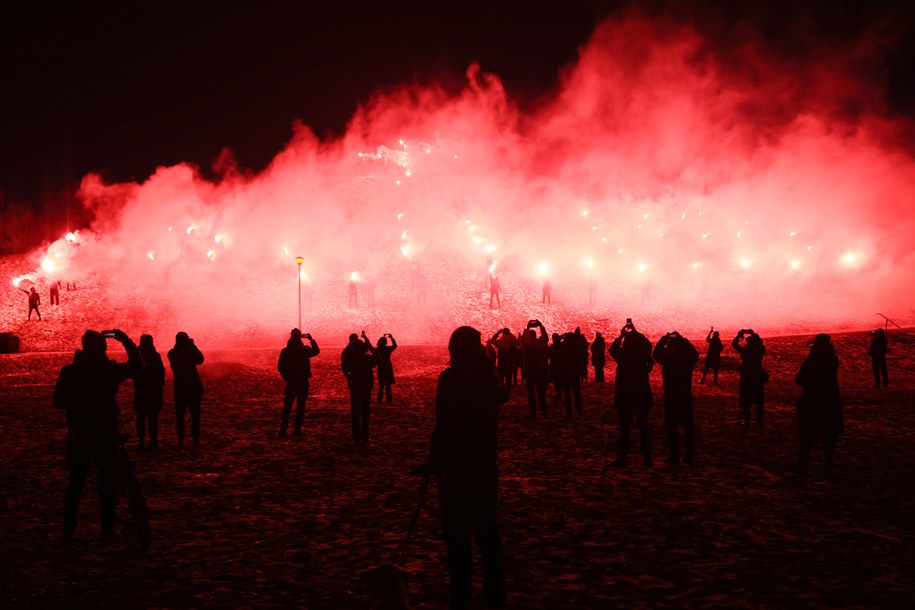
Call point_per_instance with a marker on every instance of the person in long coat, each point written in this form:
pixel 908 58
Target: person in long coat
pixel 713 356
pixel 819 408
pixel 385 367
pixel 358 362
pixel 184 359
pixel 631 351
pixel 752 374
pixel 148 387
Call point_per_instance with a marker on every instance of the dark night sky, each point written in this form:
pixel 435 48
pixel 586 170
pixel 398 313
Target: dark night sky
pixel 126 88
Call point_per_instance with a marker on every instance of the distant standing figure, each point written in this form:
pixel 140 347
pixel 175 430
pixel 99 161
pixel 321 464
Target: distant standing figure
pixel 463 455
pixel 569 373
pixel 55 293
pixel 383 353
pixel 819 409
pixel 678 359
pixel 752 373
pixel 183 360
pixel 357 362
pixel 148 388
pixel 877 353
pixel 713 356
pixel 599 357
pixel 34 301
pixel 547 294
pixel 583 354
pixel 294 366
pixel 88 389
pixel 631 351
pixel 495 289
pixel 353 296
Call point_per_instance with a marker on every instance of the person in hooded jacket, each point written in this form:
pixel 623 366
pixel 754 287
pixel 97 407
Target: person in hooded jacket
pixel 183 360
pixel 819 408
pixel 148 387
pixel 358 363
pixel 463 455
pixel 294 366
pixel 678 358
pixel 631 351
pixel 87 389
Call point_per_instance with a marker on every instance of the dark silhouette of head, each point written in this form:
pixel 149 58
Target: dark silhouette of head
pixel 598 336
pixel 146 342
pixel 94 343
pixel 822 344
pixel 382 342
pixel 32 290
pixel 715 335
pixel 182 339
pixel 353 338
pixel 878 332
pixel 295 333
pixel 465 346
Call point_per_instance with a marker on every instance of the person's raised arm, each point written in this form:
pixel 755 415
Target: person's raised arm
pixel 393 342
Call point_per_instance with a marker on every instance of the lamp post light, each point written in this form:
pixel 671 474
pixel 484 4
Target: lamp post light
pixel 299 260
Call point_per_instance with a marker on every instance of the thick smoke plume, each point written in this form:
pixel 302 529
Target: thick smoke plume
pixel 670 182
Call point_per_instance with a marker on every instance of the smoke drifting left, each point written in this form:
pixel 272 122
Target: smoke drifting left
pixel 691 180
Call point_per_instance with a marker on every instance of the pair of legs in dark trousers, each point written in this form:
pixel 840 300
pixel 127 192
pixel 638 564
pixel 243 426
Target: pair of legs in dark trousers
pixel 297 393
pixel 384 391
pixel 751 393
pixel 81 458
pixel 879 366
pixel 183 404
pixel 677 414
pixel 148 419
pixel 360 404
pixel 829 449
pixel 714 369
pixel 641 415
pixel 598 374
pixel 35 309
pixel 570 391
pixel 536 390
pixel 460 525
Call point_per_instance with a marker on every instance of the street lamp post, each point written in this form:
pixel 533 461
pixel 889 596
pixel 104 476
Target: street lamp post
pixel 299 260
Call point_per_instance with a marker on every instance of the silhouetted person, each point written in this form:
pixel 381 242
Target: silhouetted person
pixel 569 371
pixel 752 373
pixel 148 389
pixel 678 359
pixel 463 456
pixel 495 290
pixel 583 355
pixel 536 366
pixel 55 293
pixel 555 358
pixel 34 301
pixel 713 356
pixel 183 360
pixel 385 366
pixel 547 292
pixel 631 351
pixel 506 345
pixel 517 371
pixel 353 295
pixel 294 366
pixel 358 362
pixel 88 389
pixel 877 353
pixel 819 409
pixel 598 357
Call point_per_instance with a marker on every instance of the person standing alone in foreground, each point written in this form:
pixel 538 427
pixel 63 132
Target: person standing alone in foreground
pixel 463 456
pixel 88 389
pixel 819 409
pixel 294 367
pixel 184 359
pixel 632 392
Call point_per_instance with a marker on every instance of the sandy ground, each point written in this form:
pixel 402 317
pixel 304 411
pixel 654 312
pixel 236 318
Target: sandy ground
pixel 251 520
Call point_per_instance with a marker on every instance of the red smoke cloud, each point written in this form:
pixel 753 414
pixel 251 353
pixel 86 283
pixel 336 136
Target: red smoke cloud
pixel 693 184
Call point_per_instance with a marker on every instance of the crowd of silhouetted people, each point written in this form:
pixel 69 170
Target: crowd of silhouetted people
pixel 480 377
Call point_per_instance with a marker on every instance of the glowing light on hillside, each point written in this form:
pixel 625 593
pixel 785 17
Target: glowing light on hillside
pixel 851 259
pixel 211 254
pixel 543 268
pixel 795 264
pixel 642 267
pixel 745 263
pixel 47 264
pixel 217 238
pixel 151 255
pixel 490 248
pixel 355 276
pixel 70 237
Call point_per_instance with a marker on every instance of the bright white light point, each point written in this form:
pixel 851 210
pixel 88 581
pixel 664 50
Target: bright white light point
pixel 190 229
pixel 399 216
pixel 151 255
pixel 745 263
pixel 660 235
pixel 16 282
pixel 704 235
pixel 589 263
pixel 696 265
pixel 170 228
pixel 47 264
pixel 643 267
pixel 620 251
pixel 397 182
pixel 639 227
pixel 211 254
pixel 792 234
pixel 543 268
pixel 360 155
pixel 303 275
pixel 355 276
pixel 472 228
pixel 809 248
pixel 467 222
pixel 218 239
pixel 70 237
pixel 603 239
pixel 490 248
pixel 683 216
pixel 428 150
pixel 476 239
pixel 285 250
pixel 850 259
pixel 700 213
pixel 746 222
pixel 409 173
pixel 739 233
pixel 795 265
pixel 401 142
pixel 645 216
pixel 455 156
pixel 594 228
pixel 405 251
pixel 584 213
pixel 403 235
